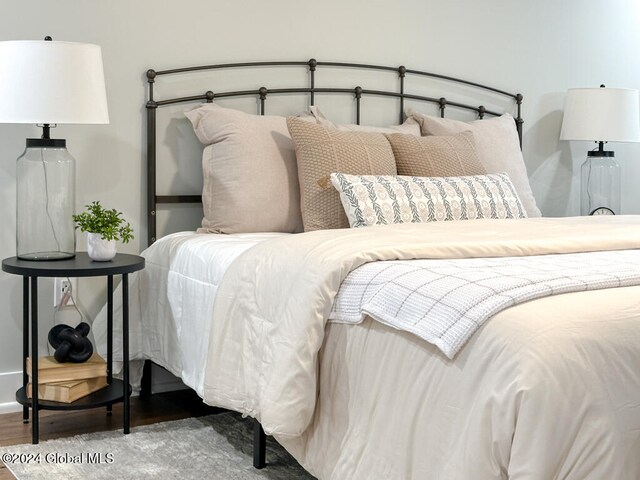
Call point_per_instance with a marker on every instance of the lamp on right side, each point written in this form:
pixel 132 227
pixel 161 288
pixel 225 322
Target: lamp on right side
pixel 601 115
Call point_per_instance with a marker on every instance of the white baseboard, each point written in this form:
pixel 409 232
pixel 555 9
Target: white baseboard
pixel 9 383
pixel 10 407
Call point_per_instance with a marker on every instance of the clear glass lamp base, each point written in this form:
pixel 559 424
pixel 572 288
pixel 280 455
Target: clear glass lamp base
pixel 45 201
pixel 39 256
pixel 600 185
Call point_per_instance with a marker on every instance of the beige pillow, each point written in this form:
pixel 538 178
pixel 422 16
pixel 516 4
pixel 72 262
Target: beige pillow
pixel 436 156
pixel 384 200
pixel 249 169
pixel 410 126
pixel 498 148
pixel 321 150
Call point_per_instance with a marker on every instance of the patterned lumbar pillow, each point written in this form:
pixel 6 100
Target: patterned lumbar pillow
pixel 380 200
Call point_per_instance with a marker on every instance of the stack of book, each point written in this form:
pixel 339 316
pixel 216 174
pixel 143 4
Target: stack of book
pixel 67 382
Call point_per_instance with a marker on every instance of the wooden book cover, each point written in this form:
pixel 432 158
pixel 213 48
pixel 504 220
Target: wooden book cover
pixel 67 392
pixel 50 371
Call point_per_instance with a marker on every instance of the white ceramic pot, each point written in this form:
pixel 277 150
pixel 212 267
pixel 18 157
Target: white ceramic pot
pixel 100 250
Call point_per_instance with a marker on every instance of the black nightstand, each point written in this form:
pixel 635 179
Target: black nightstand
pixel 79 266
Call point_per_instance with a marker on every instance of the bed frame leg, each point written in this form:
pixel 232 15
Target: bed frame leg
pixel 259 446
pixel 145 384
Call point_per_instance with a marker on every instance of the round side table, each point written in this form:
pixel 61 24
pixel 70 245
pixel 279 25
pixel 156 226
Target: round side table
pixel 79 266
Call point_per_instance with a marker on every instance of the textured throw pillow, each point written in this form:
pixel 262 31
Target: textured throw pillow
pixel 498 148
pixel 249 172
pixel 436 156
pixel 382 200
pixel 409 127
pixel 321 150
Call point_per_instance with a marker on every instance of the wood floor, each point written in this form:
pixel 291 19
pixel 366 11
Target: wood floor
pixel 160 407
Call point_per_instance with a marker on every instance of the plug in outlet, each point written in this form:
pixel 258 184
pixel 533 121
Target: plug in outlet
pixel 62 286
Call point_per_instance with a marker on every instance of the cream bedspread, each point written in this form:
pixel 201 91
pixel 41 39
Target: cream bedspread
pixel 549 389
pixel 272 305
pixel 568 395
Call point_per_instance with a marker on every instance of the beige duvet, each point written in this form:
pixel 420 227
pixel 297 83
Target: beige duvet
pixel 547 389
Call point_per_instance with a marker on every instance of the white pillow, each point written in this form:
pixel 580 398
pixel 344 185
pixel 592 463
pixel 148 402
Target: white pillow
pixel 388 199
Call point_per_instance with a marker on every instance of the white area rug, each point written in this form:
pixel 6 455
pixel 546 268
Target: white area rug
pixel 216 447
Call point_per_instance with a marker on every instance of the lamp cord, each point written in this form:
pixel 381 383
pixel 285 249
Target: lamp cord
pixel 73 300
pixel 58 307
pixel 590 206
pixel 46 192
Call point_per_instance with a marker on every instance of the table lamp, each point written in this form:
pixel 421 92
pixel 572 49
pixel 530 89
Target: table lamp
pixel 601 115
pixel 49 83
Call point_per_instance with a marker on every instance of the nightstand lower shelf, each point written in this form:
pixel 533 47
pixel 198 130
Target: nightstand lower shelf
pixel 108 395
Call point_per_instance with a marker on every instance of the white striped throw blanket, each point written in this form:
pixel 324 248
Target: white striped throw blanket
pixel 445 301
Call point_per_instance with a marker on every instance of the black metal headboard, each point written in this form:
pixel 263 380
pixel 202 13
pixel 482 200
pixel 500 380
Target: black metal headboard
pixel 263 92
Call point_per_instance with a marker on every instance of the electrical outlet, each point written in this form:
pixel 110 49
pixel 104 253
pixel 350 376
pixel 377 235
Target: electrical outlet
pixel 62 286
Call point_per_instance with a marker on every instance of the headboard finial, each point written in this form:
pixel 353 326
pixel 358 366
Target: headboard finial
pixel 209 96
pixel 151 75
pixel 402 71
pixel 263 92
pixel 313 64
pixel 443 103
pixel 358 92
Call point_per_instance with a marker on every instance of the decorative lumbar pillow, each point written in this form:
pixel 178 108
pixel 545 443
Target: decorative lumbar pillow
pixel 498 148
pixel 436 156
pixel 249 169
pixel 382 200
pixel 321 150
pixel 409 127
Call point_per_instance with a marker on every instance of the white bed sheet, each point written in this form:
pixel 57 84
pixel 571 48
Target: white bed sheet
pixel 171 303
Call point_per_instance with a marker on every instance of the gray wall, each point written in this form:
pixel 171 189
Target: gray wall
pixel 538 48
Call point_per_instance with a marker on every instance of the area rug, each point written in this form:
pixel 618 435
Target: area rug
pixel 216 447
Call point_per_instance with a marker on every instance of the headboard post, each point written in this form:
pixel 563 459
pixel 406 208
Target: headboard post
pixel 443 105
pixel 312 78
pixel 263 96
pixel 519 120
pixel 152 107
pixel 358 93
pixel 402 71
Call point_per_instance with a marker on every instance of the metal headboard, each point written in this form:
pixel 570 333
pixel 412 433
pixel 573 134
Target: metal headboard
pixel 312 65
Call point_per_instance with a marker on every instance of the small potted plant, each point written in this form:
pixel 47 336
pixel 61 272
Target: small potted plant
pixel 104 227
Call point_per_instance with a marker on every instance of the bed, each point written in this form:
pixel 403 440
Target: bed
pixel 291 328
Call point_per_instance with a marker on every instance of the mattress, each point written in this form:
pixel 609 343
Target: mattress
pixel 171 303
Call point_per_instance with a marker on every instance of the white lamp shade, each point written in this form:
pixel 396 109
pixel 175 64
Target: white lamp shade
pixel 52 82
pixel 601 115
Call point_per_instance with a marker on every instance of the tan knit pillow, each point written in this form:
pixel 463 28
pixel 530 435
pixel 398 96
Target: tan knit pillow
pixel 441 156
pixel 321 150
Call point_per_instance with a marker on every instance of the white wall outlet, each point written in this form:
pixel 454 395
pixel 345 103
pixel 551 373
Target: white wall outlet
pixel 61 286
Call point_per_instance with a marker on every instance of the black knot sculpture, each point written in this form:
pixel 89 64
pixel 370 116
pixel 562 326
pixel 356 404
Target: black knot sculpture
pixel 71 344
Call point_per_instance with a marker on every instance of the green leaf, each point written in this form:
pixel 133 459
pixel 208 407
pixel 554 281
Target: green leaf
pixel 109 224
